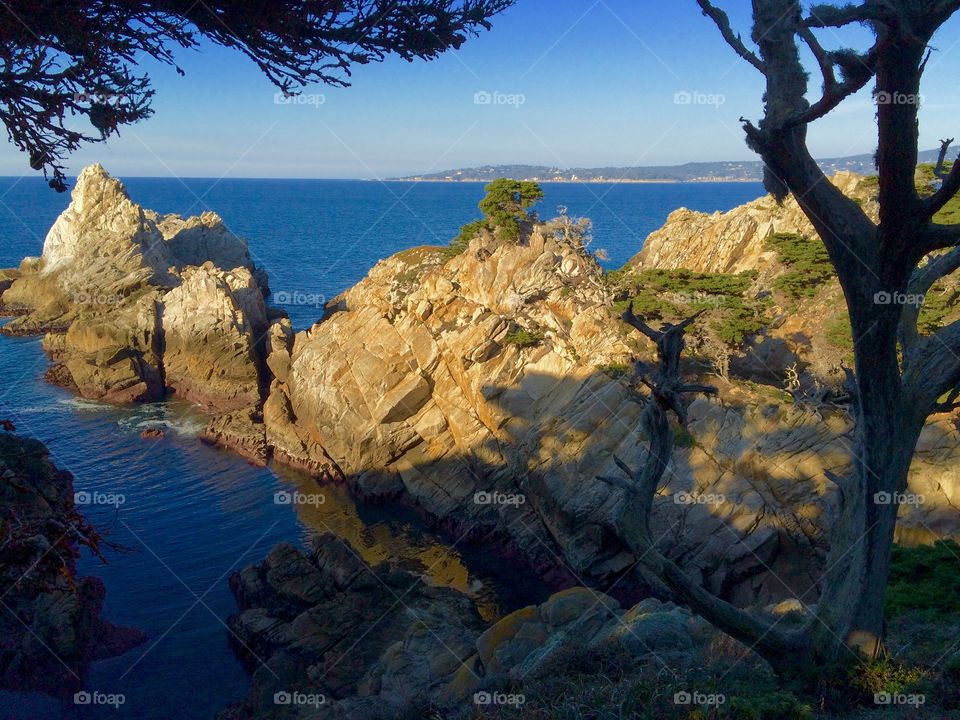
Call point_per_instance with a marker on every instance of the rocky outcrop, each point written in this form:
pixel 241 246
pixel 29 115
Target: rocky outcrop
pixel 470 388
pixel 213 327
pixel 51 627
pixel 733 241
pixel 136 304
pixel 482 390
pixel 333 638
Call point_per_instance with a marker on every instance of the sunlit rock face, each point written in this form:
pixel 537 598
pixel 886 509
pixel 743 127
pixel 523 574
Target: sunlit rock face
pixel 733 241
pixel 137 304
pixel 482 389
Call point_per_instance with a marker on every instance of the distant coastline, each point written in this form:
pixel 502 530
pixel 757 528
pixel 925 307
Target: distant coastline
pixel 744 171
pixel 583 181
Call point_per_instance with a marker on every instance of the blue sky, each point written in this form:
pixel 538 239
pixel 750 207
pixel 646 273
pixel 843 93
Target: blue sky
pixel 598 83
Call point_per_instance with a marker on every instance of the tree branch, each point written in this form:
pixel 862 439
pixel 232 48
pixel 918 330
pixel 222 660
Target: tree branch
pixel 923 279
pixel 733 39
pixel 831 16
pixel 857 71
pixel 938 171
pixel 933 369
pixel 950 186
pixel 940 237
pixel 642 486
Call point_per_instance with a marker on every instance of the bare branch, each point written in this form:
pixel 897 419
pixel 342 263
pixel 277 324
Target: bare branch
pixel 825 16
pixel 618 482
pixel 637 323
pixel 923 279
pixel 940 237
pixel 733 39
pixel 939 171
pixel 857 71
pixel 933 369
pixel 634 527
pixel 950 186
pixel 623 466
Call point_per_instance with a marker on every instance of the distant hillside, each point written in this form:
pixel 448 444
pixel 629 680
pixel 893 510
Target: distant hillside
pixel 745 171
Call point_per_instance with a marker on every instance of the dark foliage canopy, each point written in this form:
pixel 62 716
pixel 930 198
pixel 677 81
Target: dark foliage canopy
pixel 63 60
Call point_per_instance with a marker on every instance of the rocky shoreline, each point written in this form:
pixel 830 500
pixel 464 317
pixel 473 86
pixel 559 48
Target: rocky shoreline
pixel 487 389
pixel 51 628
pixel 305 621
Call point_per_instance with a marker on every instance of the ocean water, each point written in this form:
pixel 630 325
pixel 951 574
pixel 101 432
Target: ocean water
pixel 191 514
pixel 316 238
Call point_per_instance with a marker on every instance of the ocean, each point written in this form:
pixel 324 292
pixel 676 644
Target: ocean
pixel 192 514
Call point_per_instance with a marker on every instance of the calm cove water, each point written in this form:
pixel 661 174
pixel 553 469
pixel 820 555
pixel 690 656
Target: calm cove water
pixel 191 514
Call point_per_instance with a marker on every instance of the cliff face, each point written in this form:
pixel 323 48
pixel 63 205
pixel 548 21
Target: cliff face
pixel 421 387
pixel 733 241
pixel 135 303
pixel 441 381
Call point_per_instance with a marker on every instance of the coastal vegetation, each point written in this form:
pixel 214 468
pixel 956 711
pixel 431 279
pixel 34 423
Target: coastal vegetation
pixel 807 261
pixel 506 207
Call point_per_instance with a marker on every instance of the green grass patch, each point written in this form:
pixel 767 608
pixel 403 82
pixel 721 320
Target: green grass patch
pixel 937 306
pixel 524 338
pixel 615 370
pixel 950 214
pixel 670 295
pixel 838 331
pixel 682 438
pixel 808 264
pixel 925 579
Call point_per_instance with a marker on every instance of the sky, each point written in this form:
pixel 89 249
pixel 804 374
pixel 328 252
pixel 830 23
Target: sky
pixel 566 83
